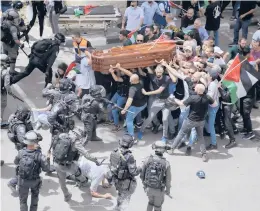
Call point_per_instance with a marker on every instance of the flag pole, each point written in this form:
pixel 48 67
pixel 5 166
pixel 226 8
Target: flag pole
pixel 156 41
pixel 232 70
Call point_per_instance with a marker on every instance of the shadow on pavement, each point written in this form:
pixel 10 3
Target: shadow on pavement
pixel 7 171
pixel 49 187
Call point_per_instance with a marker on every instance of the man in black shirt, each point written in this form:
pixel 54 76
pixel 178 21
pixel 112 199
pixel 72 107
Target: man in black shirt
pixel 198 110
pixel 188 19
pixel 135 103
pixel 149 34
pixel 160 84
pixel 246 10
pixel 119 97
pixel 212 14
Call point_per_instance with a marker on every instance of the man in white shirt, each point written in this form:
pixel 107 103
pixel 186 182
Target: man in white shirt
pixel 133 18
pixel 150 8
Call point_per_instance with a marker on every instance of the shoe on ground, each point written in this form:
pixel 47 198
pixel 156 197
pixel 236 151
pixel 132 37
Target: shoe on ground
pixel 116 128
pixel 188 151
pixel 12 187
pixel 68 197
pixel 182 144
pixel 231 144
pixel 204 157
pixel 135 141
pixel 249 136
pixel 164 139
pixel 236 131
pixel 211 147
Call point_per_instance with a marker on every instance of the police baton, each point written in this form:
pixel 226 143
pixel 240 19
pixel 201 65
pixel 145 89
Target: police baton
pixel 23 51
pixel 15 97
pixel 169 196
pixel 119 107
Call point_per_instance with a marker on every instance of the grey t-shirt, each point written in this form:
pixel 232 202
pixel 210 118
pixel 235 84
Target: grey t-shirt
pixel 133 16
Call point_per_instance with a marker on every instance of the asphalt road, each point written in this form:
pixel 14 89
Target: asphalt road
pixel 232 176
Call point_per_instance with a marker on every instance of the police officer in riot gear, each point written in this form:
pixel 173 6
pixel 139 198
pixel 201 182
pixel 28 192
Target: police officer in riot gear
pixel 55 95
pixel 66 150
pixel 92 105
pixel 43 56
pixel 156 177
pixel 58 119
pixel 123 170
pixel 19 124
pixel 5 87
pixel 30 161
pixel 10 32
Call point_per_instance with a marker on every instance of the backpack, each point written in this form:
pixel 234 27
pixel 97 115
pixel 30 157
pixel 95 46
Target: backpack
pixel 62 150
pixel 155 173
pixel 118 164
pixel 42 48
pixel 29 165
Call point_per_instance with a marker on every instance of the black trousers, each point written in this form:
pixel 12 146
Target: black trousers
pixel 229 124
pixel 40 9
pixel 246 105
pixel 28 70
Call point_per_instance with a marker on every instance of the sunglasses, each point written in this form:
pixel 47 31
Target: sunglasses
pixel 139 40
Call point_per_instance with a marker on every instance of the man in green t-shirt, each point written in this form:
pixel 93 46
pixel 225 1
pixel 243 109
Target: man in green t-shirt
pixel 123 38
pixel 236 49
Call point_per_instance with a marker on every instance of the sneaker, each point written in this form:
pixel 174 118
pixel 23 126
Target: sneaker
pixel 211 147
pixel 68 197
pixel 140 135
pixel 155 129
pixel 12 187
pixel 135 141
pixel 164 139
pixel 188 151
pixel 204 157
pixel 116 128
pixel 182 144
pixel 243 131
pixel 249 136
pixel 232 143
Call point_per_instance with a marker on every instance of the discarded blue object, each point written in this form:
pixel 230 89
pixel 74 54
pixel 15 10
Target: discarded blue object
pixel 201 174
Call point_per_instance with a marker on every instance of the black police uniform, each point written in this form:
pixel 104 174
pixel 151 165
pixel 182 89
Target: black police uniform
pixel 35 61
pixel 34 182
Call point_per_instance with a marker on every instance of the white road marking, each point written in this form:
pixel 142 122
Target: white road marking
pixel 24 97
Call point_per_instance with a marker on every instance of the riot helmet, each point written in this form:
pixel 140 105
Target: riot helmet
pixel 23 113
pixel 65 85
pixel 127 141
pixel 70 99
pixel 160 147
pixel 60 37
pixel 30 138
pixel 17 5
pixel 97 91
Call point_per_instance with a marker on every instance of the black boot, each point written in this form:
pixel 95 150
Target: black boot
pixel 232 143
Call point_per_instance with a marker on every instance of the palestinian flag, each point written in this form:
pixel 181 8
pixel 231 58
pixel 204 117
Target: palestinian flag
pixel 239 78
pixel 132 36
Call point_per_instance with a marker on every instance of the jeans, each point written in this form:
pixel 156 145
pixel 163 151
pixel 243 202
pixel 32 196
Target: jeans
pixel 235 5
pixel 241 24
pixel 131 116
pixel 246 105
pixel 4 8
pixel 158 105
pixel 186 129
pixel 184 114
pixel 210 124
pixel 215 37
pixel 114 112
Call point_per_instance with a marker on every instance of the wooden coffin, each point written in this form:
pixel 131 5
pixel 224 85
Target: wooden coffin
pixel 133 56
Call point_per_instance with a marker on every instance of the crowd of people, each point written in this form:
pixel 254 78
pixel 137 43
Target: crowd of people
pixel 186 96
